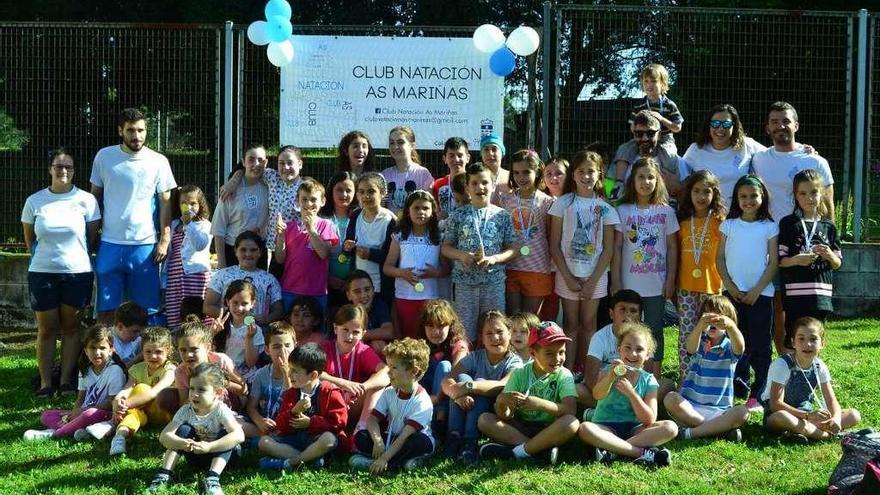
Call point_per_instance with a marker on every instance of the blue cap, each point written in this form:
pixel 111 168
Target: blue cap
pixel 493 139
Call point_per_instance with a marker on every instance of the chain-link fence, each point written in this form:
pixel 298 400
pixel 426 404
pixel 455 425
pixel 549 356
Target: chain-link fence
pixel 746 58
pixel 64 84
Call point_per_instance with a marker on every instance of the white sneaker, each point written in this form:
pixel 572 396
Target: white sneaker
pixel 117 445
pixel 81 435
pixel 100 430
pixel 38 435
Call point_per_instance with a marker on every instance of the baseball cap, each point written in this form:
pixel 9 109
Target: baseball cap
pixel 548 332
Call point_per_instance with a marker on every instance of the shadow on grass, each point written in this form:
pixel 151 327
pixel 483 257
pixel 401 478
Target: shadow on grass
pixel 873 344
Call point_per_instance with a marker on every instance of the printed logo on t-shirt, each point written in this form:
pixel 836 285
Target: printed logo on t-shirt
pixel 644 233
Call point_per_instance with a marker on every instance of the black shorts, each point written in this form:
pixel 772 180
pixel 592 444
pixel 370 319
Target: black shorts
pixel 49 291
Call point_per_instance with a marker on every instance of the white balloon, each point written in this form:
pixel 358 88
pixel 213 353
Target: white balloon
pixel 281 53
pixel 523 41
pixel 256 32
pixel 488 38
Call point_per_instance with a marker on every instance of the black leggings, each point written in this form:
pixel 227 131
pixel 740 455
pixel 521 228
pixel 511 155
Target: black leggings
pixel 202 461
pixel 415 445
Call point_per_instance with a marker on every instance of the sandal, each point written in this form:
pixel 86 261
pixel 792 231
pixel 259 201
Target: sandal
pixel 45 393
pixel 68 389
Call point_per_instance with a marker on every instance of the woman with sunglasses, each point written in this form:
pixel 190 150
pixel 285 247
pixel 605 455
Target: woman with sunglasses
pixel 722 148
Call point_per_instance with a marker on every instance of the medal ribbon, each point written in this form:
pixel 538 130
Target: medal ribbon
pixel 698 253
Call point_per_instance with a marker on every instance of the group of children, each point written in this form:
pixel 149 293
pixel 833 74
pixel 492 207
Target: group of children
pixel 399 367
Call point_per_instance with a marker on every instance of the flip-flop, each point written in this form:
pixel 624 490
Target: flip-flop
pixel 45 393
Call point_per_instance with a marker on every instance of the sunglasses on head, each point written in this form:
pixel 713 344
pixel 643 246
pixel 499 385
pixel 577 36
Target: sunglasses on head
pixel 640 134
pixel 715 124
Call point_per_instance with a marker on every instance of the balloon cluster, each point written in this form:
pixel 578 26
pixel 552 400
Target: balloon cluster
pixel 275 31
pixel 523 41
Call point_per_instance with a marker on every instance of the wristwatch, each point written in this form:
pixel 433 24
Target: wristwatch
pixel 469 386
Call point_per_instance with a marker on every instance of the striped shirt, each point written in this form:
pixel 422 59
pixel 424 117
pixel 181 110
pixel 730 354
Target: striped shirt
pixel 709 380
pixel 530 229
pixel 181 284
pixel 807 286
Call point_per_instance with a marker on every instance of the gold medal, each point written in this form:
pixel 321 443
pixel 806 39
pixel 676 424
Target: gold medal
pixel 524 250
pixel 249 320
pixel 342 259
pixel 419 287
pixel 620 370
pixel 589 249
pixel 697 273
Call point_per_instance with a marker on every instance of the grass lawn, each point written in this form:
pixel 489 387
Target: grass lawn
pixel 760 465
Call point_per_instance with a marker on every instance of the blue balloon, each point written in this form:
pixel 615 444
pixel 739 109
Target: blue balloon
pixel 278 7
pixel 502 62
pixel 278 28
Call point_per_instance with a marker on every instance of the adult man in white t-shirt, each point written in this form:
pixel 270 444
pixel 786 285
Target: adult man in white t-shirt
pixel 777 167
pixel 127 178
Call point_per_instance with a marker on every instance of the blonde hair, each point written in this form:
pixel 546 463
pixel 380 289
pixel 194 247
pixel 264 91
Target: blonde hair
pixel 412 353
pixel 658 73
pixel 528 320
pixel 719 305
pixel 640 330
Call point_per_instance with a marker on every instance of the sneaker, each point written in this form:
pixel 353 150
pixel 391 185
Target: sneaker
pixel 272 464
pixel 754 405
pixel 469 453
pixel 81 435
pixel 211 486
pixel 493 450
pixel 453 444
pixel 360 461
pixel 797 438
pixel 416 462
pixel 684 433
pixel 553 456
pixel 653 456
pixel 605 457
pixel 38 435
pixel 100 430
pixel 588 414
pixel 117 445
pixel 159 481
pixel 735 435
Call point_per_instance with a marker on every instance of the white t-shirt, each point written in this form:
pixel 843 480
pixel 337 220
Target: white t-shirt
pixel 130 183
pixel 59 222
pixel 417 252
pixel 583 222
pixel 372 235
pixel 207 427
pixel 745 251
pixel 101 386
pixel 416 410
pixel 268 289
pixel 603 346
pixel 643 267
pixel 777 170
pixel 728 164
pixel 779 372
pixel 235 343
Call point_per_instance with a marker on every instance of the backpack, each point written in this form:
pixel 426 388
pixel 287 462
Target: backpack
pixel 858 471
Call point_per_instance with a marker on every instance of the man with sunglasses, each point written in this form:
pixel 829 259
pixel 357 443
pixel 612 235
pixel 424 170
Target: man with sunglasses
pixel 646 135
pixel 777 167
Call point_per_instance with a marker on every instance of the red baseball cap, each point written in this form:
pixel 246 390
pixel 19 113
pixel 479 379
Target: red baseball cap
pixel 546 333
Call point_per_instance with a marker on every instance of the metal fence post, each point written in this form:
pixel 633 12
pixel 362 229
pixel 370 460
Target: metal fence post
pixel 861 99
pixel 549 73
pixel 227 102
pixel 847 139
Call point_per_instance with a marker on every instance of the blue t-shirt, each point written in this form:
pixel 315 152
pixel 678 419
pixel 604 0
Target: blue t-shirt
pixel 615 407
pixel 709 379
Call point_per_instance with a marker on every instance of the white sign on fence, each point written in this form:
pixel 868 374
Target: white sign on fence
pixel 441 87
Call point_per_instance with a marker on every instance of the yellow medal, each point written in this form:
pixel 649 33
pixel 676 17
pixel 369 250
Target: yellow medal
pixel 524 250
pixel 342 259
pixel 419 287
pixel 589 249
pixel 697 273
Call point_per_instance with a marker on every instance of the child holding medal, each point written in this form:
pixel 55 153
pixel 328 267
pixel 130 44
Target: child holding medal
pixel 414 260
pixel 700 213
pixel 582 244
pixel 809 250
pixel 338 210
pixel 479 239
pixel 528 276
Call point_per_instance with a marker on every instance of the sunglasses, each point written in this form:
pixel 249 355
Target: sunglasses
pixel 641 134
pixel 715 124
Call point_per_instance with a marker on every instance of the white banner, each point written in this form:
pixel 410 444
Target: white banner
pixel 440 87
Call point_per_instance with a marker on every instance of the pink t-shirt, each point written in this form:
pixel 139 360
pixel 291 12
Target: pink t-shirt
pixel 366 360
pixel 305 273
pixel 182 372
